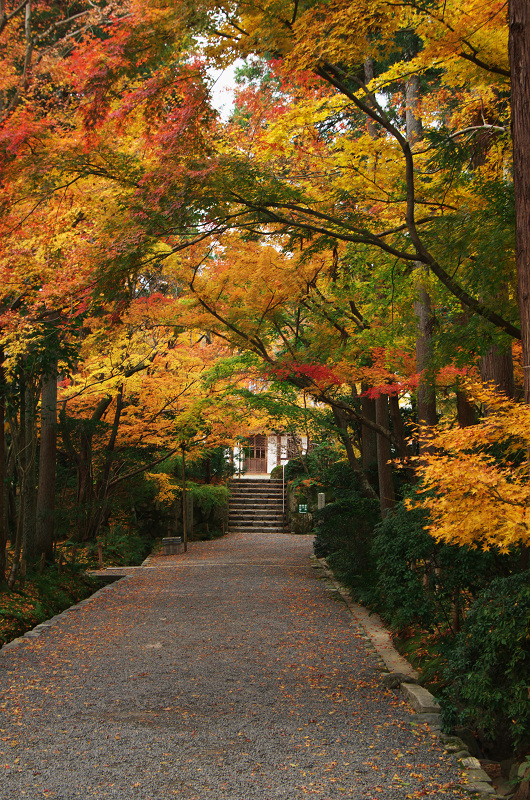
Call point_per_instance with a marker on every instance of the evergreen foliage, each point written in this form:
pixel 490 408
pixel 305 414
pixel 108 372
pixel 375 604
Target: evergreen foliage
pixel 488 673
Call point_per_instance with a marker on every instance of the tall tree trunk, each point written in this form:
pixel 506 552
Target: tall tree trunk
pixel 397 425
pixel 369 75
pixel 519 47
pixel 83 463
pixel 342 425
pixel 426 394
pixel 47 464
pixel 29 487
pixel 3 514
pixel 496 367
pixel 368 435
pixel 101 512
pixel 465 410
pixel 384 454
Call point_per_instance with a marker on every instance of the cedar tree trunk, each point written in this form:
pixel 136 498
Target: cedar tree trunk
pixel 519 46
pixel 47 463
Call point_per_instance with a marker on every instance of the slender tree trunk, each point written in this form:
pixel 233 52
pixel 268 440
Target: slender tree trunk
pixel 426 394
pixel 519 47
pixel 100 512
pixel 184 503
pixel 369 75
pixel 368 435
pixel 83 463
pixel 384 454
pixel 342 425
pixel 3 514
pixel 17 549
pixel 11 502
pixel 29 493
pixel 397 425
pixel 47 464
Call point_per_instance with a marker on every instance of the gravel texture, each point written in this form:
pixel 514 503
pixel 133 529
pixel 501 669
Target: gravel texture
pixel 230 672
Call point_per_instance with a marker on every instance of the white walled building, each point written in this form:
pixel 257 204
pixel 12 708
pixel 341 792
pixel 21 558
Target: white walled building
pixel 261 453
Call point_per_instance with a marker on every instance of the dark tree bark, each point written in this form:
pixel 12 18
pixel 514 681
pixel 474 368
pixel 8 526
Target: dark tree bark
pixel 426 394
pixel 369 75
pixel 519 46
pixel 496 367
pixel 384 454
pixel 342 425
pixel 3 514
pixel 83 461
pixel 47 464
pixel 398 425
pixel 368 435
pixel 465 411
pixel 100 513
pixel 29 483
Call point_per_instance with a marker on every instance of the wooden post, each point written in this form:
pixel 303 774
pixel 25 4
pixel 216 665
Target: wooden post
pixel 100 555
pixel 42 563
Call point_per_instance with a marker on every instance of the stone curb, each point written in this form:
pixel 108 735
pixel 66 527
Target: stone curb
pixel 42 627
pixel 476 782
pixel 119 573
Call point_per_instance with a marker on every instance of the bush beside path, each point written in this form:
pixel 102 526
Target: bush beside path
pixel 229 672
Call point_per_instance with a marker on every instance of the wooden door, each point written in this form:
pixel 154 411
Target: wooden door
pixel 256 454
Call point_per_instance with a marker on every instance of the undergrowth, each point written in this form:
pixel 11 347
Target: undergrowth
pixel 41 597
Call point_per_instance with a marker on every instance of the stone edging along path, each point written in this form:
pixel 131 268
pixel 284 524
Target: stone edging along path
pixel 402 675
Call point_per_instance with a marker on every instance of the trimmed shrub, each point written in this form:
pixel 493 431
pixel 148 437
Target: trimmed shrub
pixel 343 537
pixel 419 581
pixel 488 674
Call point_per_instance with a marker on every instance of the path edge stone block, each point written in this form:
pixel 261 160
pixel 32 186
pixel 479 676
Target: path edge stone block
pixel 421 700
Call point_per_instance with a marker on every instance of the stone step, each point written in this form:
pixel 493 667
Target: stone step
pixel 269 506
pixel 256 506
pixel 255 512
pixel 257 521
pixel 256 529
pixel 237 492
pixel 269 511
pixel 256 499
pixel 268 481
pixel 248 486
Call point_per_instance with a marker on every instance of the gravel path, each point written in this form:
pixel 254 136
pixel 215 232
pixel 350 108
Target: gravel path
pixel 227 673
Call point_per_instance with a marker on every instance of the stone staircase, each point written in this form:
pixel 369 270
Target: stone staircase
pixel 256 506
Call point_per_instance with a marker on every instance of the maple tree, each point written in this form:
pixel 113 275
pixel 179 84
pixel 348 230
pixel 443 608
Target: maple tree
pixel 475 480
pixel 378 165
pixel 344 253
pixel 140 393
pixel 268 174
